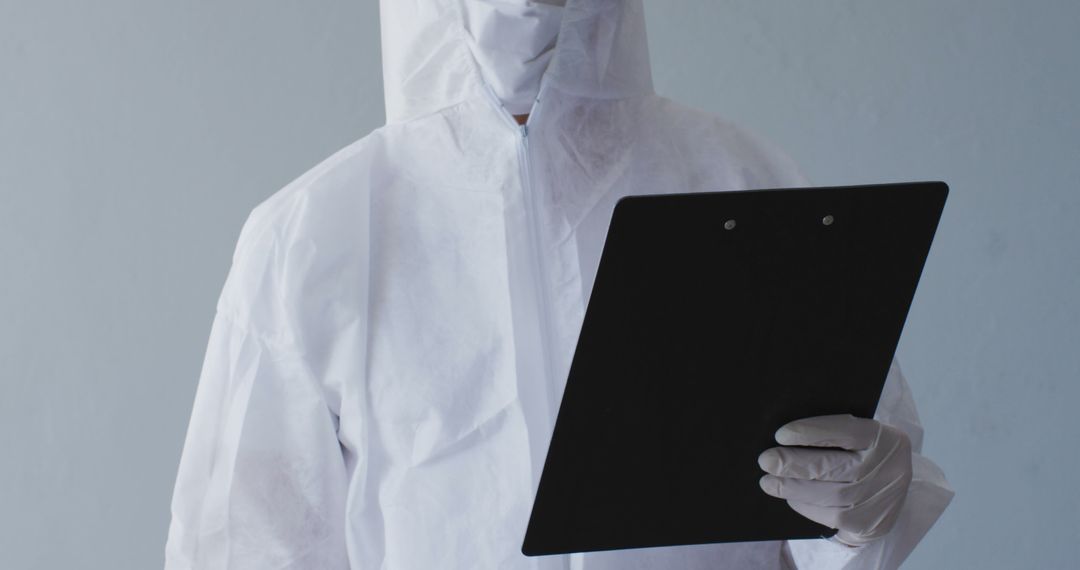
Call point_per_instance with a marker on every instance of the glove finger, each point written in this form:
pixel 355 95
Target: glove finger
pixel 844 431
pixel 817 464
pixel 822 493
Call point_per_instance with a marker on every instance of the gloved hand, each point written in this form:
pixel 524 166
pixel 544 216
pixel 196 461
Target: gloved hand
pixel 853 474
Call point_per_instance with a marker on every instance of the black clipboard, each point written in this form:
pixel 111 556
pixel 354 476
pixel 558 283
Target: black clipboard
pixel 714 319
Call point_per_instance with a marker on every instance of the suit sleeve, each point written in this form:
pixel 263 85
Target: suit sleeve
pixel 262 479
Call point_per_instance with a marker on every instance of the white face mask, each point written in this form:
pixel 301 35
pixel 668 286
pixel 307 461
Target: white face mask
pixel 513 41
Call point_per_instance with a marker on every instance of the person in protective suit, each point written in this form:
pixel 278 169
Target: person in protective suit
pixel 391 342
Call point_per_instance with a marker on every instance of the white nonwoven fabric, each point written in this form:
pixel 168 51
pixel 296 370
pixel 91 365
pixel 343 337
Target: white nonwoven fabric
pixel 392 339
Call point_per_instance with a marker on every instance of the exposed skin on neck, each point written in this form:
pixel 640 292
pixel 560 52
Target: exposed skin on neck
pixel 521 118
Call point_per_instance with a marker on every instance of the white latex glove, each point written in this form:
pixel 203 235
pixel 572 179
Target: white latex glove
pixel 855 482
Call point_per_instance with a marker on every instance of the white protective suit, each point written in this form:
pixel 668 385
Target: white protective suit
pixel 391 343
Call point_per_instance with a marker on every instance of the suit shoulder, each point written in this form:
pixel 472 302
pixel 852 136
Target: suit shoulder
pixel 315 227
pixel 763 163
pixel 333 190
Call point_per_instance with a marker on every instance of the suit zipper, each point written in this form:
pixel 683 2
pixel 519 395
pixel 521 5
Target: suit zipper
pixel 532 221
pixel 543 300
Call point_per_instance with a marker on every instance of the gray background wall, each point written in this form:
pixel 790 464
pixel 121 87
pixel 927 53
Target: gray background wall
pixel 135 136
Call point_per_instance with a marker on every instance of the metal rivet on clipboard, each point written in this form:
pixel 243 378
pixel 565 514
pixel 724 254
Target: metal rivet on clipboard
pixel 729 225
pixel 828 220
